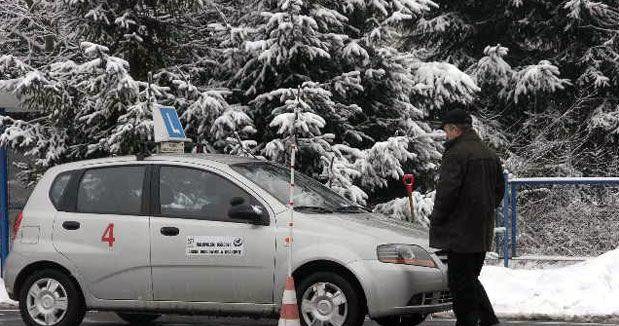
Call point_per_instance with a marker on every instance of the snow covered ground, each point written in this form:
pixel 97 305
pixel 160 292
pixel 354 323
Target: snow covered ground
pixel 586 290
pixel 4 298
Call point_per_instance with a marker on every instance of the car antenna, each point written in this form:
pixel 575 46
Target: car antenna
pixel 245 150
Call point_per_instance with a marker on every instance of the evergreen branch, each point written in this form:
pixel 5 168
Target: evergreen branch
pixel 601 29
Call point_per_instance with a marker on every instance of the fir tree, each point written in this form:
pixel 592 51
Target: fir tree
pixel 254 76
pixel 33 31
pixel 87 109
pixel 547 71
pixel 141 37
pixel 363 102
pixel 148 34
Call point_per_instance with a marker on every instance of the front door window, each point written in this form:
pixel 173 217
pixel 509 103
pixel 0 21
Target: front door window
pixel 198 194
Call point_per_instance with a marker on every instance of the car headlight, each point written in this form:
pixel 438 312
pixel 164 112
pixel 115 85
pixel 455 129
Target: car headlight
pixel 405 254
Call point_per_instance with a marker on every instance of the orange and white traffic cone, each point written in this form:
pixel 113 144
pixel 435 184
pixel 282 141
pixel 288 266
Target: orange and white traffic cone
pixel 289 315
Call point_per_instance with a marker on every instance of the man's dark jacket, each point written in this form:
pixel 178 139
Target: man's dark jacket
pixel 469 189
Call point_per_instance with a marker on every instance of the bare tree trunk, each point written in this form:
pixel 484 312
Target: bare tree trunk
pixel 49 43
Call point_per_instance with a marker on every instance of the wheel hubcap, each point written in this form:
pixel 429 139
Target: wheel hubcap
pixel 324 304
pixel 325 307
pixel 47 302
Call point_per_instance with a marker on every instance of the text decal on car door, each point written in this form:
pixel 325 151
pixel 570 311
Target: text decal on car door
pixel 215 246
pixel 108 235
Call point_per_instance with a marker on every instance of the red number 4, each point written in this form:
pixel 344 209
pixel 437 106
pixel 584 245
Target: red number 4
pixel 108 235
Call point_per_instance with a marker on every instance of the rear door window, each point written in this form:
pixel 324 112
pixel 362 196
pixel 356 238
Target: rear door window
pixel 112 190
pixel 59 186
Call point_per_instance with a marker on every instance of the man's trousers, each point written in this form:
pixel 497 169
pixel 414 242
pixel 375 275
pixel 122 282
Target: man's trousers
pixel 471 304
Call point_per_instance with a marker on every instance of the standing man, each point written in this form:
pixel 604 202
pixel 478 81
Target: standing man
pixel 469 189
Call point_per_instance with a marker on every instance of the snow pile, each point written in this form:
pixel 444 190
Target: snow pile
pixel 588 289
pixel 4 297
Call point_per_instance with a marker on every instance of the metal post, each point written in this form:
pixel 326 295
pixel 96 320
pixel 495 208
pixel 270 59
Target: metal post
pixel 505 214
pixel 497 241
pixel 4 207
pixel 409 182
pixel 514 217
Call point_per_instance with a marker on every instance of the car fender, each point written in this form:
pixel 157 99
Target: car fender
pixel 302 255
pixel 22 262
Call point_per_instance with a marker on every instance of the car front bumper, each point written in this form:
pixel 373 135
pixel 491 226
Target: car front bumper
pixel 415 309
pixel 396 290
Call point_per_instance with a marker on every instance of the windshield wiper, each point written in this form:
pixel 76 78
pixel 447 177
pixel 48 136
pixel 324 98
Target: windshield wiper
pixel 351 209
pixel 316 209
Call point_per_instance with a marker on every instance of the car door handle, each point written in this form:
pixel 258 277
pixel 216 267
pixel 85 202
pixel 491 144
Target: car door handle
pixel 71 225
pixel 169 231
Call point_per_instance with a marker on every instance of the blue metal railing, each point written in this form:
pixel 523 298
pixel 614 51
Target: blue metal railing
pixel 510 203
pixel 4 205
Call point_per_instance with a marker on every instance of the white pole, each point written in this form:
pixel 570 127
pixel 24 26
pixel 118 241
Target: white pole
pixel 293 150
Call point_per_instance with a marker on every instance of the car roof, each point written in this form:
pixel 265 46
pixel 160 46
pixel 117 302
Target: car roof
pixel 219 158
pixel 186 158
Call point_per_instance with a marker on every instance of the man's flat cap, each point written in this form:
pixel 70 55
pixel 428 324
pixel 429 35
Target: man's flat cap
pixel 456 116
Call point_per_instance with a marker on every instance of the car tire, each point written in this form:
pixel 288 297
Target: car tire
pixel 409 320
pixel 138 319
pixel 52 296
pixel 317 289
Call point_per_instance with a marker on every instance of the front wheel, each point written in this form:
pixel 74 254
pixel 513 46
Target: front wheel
pixel 137 319
pixel 329 299
pixel 50 298
pixel 409 320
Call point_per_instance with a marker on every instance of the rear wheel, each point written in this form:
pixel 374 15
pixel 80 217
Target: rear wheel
pixel 51 298
pixel 137 319
pixel 409 320
pixel 327 299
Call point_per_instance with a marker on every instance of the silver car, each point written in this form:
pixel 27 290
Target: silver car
pixel 204 234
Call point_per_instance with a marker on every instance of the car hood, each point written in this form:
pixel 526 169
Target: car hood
pixel 382 229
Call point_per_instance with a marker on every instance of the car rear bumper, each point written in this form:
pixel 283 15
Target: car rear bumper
pixel 9 275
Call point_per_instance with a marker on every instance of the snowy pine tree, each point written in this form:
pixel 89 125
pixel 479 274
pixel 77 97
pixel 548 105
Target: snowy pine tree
pixel 246 77
pixel 33 30
pixel 147 34
pixel 368 101
pixel 139 39
pixel 554 62
pixel 87 109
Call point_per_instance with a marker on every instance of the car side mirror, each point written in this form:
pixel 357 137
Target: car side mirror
pixel 254 214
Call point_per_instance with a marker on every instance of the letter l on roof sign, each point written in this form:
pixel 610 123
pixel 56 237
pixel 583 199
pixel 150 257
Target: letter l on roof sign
pixel 167 125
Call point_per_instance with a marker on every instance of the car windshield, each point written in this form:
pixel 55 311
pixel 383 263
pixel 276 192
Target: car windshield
pixel 310 195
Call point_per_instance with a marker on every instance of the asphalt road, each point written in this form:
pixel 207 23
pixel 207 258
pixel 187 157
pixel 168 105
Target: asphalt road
pixel 10 317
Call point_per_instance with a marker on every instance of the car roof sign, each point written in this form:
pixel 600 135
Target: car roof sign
pixel 167 125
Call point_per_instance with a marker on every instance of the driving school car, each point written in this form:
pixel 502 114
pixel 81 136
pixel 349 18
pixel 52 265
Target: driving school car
pixel 204 234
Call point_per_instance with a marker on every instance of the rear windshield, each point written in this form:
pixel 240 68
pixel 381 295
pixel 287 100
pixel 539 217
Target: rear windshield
pixel 275 180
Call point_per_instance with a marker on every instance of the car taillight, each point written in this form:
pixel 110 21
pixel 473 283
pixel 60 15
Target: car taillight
pixel 16 226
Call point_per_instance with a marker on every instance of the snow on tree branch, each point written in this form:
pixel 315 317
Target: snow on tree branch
pixel 399 208
pixel 535 80
pixel 608 121
pixel 441 83
pixel 492 68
